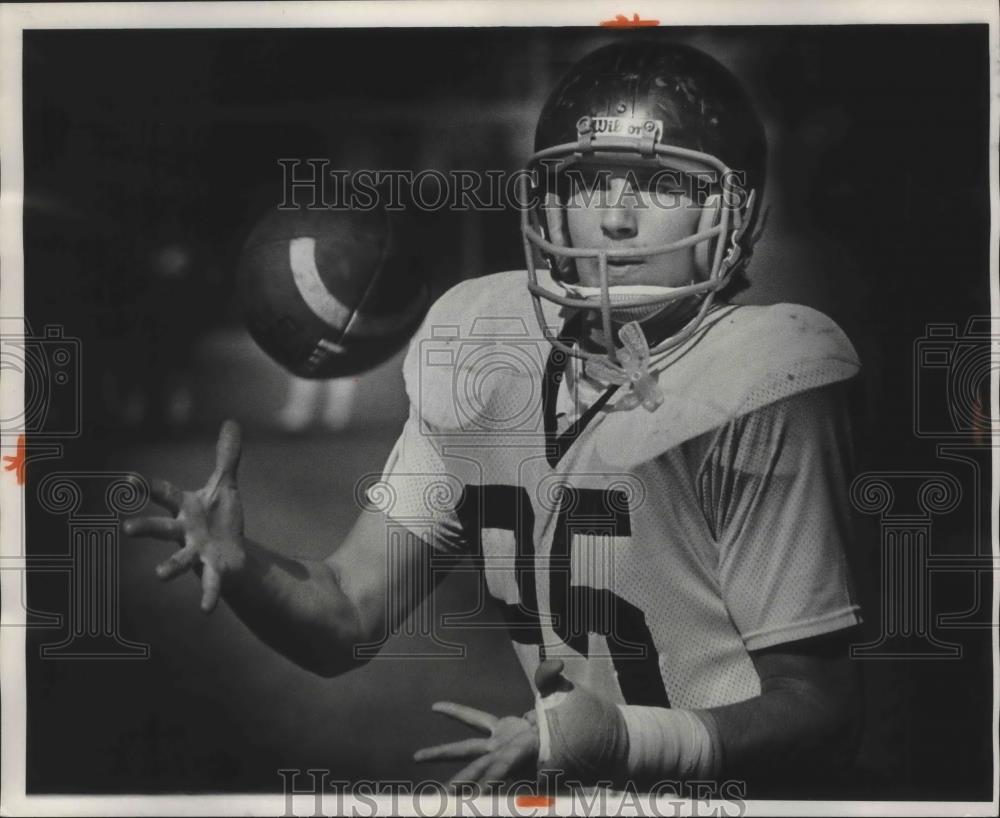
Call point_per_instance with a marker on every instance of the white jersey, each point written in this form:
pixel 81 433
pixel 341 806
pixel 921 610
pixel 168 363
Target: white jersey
pixel 651 552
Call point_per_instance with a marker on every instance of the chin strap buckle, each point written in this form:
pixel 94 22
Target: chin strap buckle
pixel 633 371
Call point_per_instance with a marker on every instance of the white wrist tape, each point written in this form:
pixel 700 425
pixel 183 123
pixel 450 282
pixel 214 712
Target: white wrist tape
pixel 664 743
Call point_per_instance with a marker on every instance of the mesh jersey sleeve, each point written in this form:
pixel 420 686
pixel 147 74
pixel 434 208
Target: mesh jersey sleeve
pixel 419 491
pixel 773 486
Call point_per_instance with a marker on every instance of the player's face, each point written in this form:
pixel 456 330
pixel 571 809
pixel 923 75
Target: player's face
pixel 625 209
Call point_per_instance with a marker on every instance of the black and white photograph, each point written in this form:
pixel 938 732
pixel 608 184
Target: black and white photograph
pixel 479 408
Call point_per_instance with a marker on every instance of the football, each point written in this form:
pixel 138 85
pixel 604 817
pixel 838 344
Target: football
pixel 328 293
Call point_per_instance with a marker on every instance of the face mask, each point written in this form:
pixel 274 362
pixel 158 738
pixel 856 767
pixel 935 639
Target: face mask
pixel 624 295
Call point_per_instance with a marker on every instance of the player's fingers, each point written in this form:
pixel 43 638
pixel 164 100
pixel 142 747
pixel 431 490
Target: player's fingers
pixel 160 528
pixel 509 760
pixel 227 450
pixel 471 773
pixel 454 751
pixel 479 719
pixel 211 588
pixel 166 494
pixel 177 564
pixel 497 772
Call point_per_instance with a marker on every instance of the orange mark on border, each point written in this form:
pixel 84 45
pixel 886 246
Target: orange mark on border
pixel 15 462
pixel 621 21
pixel 529 801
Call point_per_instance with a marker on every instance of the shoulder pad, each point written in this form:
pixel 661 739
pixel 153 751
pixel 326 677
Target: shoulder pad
pixel 481 336
pixel 742 358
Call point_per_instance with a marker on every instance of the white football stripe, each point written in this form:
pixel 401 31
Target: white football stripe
pixel 302 257
pixel 326 306
pixel 330 346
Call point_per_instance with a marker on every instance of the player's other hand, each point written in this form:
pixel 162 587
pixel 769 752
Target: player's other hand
pixel 509 753
pixel 207 523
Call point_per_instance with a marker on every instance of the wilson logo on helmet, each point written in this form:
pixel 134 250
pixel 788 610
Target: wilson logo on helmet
pixel 620 126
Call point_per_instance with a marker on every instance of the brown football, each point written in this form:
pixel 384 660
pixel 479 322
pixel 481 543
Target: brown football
pixel 328 293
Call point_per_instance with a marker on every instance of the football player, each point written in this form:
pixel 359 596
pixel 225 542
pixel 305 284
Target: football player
pixel 652 478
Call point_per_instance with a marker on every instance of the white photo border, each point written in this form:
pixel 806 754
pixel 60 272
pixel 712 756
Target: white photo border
pixel 17 18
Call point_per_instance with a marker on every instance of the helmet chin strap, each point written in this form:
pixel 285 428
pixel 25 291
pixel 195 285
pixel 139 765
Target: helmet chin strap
pixel 632 370
pixel 630 364
pixel 632 358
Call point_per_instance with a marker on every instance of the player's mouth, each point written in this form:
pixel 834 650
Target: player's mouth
pixel 621 270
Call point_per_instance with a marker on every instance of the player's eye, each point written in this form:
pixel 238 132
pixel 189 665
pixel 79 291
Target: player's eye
pixel 669 182
pixel 587 181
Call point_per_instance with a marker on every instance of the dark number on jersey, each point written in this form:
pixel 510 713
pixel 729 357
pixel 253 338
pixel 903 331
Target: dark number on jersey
pixel 577 611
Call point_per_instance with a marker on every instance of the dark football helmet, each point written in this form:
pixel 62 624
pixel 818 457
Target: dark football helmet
pixel 646 105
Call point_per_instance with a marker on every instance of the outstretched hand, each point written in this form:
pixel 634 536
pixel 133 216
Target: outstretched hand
pixel 510 751
pixel 207 523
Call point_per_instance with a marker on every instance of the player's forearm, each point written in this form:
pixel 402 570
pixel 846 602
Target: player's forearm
pixel 296 607
pixel 792 728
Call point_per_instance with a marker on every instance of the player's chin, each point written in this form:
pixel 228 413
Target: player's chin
pixel 620 272
pixel 649 272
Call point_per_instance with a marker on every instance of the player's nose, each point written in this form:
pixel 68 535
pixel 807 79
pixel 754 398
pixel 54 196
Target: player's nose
pixel 618 220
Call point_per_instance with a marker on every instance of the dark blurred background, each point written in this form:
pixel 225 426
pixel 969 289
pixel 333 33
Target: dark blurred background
pixel 148 157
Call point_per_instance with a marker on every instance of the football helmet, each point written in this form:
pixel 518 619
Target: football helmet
pixel 645 106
